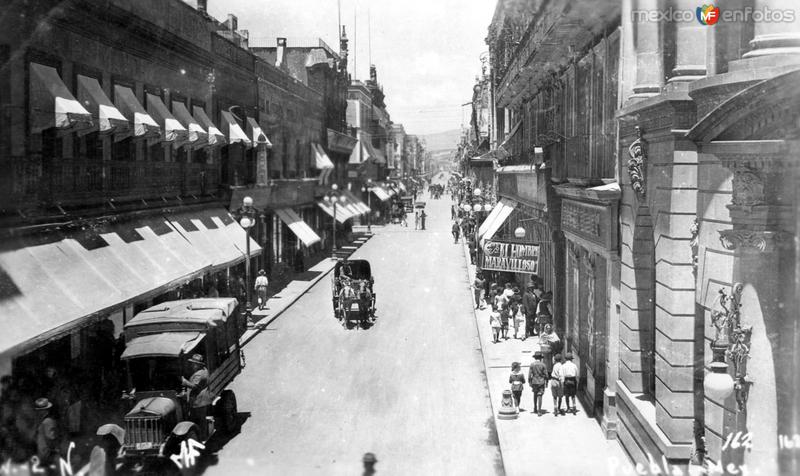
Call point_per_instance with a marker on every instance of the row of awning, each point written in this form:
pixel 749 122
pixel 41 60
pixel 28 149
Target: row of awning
pixel 53 106
pixel 55 283
pixel 347 207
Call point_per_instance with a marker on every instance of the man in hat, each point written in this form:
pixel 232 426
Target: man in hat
pixel 197 386
pixel 47 438
pixel 369 461
pixel 347 295
pixel 477 288
pixel 537 379
pixel 456 230
pixel 261 289
pixel 529 304
pixel 569 372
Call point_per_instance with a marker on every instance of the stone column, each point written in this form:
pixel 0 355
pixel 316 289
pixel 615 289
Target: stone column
pixel 647 41
pixel 773 34
pixel 690 60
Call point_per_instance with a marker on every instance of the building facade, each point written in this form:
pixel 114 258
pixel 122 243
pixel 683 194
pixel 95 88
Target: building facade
pixel 667 173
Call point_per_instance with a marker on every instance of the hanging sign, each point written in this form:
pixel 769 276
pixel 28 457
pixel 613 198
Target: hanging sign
pixel 512 257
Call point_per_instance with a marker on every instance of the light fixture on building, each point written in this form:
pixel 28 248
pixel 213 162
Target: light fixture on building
pixel 732 341
pixel 477 207
pixel 466 207
pixel 519 232
pixel 247 219
pixel 487 207
pixel 477 192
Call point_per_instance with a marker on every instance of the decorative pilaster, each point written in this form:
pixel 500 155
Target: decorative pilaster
pixel 637 164
pixel 649 54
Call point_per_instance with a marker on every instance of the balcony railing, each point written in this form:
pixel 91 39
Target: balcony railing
pixel 33 181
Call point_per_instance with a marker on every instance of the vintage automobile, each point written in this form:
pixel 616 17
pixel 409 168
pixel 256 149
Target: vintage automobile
pixel 361 308
pixel 158 344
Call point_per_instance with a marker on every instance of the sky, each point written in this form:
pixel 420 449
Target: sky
pixel 427 52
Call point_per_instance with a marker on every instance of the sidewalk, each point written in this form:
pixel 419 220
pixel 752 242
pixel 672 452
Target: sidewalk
pixel 546 445
pixel 287 296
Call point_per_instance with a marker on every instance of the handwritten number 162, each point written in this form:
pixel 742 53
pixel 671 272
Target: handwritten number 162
pixel 738 440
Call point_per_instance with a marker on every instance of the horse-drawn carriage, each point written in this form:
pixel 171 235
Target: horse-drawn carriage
pixel 353 298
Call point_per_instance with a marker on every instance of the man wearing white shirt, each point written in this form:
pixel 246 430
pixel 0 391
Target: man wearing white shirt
pixel 569 371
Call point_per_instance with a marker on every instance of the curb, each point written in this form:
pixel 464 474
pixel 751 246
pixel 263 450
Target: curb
pixel 263 323
pixel 470 279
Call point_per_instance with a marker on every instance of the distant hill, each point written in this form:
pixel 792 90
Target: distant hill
pixel 446 140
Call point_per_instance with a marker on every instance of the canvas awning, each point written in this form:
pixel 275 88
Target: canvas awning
pixel 197 136
pixel 52 105
pixel 174 132
pixel 144 126
pixel 105 115
pixel 359 154
pixel 56 283
pixel 233 130
pixel 299 227
pixel 496 218
pixel 322 160
pixel 382 193
pixel 343 213
pixel 356 202
pixel 376 155
pixel 165 344
pixel 256 134
pixel 215 136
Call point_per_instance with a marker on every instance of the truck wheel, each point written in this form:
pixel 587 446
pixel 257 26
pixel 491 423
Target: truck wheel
pixel 229 412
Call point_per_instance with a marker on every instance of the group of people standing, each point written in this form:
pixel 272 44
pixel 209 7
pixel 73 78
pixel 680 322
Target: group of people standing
pixel 562 378
pixel 530 313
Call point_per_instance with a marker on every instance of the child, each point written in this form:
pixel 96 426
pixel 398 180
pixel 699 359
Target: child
pixel 537 379
pixel 556 385
pixel 494 320
pixel 517 381
pixel 570 373
pixel 504 315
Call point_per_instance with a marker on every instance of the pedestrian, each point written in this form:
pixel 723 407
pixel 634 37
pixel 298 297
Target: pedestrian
pixel 422 217
pixel 505 314
pixel 549 343
pixel 369 461
pixel 544 310
pixel 197 386
pixel 517 381
pixel 261 289
pixel 494 321
pixel 557 385
pixel 455 229
pixel 570 373
pixel 537 379
pixel 452 212
pixel 477 289
pixel 529 304
pixel 48 443
pixel 416 220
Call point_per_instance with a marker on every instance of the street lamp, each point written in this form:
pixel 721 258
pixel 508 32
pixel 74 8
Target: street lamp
pixel 367 188
pixel 519 232
pixel 247 220
pixel 332 197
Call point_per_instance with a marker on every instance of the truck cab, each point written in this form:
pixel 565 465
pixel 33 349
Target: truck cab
pixel 159 342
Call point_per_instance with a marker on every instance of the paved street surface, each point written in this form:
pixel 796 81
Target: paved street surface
pixel 315 397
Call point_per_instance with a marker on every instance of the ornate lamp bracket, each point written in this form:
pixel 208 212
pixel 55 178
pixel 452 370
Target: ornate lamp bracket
pixel 637 164
pixel 734 339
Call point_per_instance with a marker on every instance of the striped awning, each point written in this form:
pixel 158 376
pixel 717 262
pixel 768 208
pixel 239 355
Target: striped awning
pixel 298 226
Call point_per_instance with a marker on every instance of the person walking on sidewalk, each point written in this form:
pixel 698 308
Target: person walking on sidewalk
pixel 422 217
pixel 557 385
pixel 517 381
pixel 529 303
pixel 537 379
pixel 261 289
pixel 549 343
pixel 494 321
pixel 505 314
pixel 477 289
pixel 570 372
pixel 456 230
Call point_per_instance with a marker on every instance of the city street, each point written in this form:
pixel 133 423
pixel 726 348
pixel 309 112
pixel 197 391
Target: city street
pixel 411 389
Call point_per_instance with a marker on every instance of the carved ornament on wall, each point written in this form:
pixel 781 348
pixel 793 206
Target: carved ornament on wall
pixel 762 241
pixel 748 187
pixel 637 164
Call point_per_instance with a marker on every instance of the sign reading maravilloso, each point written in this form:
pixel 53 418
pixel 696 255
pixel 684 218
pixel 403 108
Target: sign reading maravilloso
pixel 512 257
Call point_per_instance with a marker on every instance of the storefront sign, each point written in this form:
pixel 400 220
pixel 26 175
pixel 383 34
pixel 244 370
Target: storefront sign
pixel 511 257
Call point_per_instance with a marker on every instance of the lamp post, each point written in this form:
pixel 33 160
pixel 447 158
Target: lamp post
pixel 367 188
pixel 247 220
pixel 332 197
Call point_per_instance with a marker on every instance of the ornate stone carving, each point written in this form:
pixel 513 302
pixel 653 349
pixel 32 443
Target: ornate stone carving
pixel 694 229
pixel 581 219
pixel 748 187
pixel 637 164
pixel 762 241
